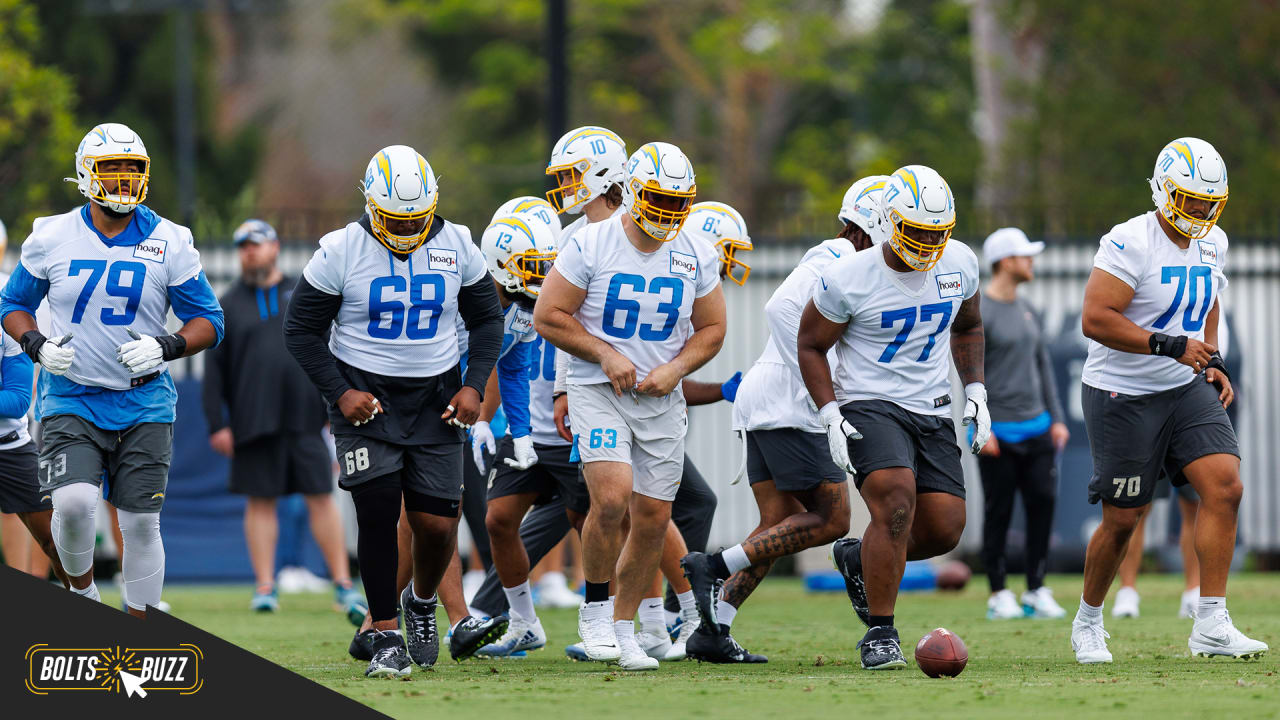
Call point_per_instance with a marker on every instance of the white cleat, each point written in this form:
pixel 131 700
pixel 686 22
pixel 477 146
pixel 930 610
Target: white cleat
pixel 595 627
pixel 631 657
pixel 1004 606
pixel 655 646
pixel 1217 635
pixel 1126 604
pixel 1040 604
pixel 1190 600
pixel 1089 641
pixel 554 592
pixel 689 622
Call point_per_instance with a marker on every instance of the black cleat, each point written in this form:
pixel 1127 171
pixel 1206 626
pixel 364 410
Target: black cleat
pixel 472 633
pixel 361 647
pixel 704 584
pixel 880 649
pixel 846 555
pixel 420 628
pixel 718 647
pixel 389 656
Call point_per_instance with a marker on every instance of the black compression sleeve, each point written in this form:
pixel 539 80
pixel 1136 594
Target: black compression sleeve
pixel 306 329
pixel 480 310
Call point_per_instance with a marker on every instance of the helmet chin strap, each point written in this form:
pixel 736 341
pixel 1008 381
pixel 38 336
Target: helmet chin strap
pixel 116 214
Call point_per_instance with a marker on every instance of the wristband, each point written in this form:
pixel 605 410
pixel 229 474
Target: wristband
pixel 1162 344
pixel 1215 361
pixel 172 346
pixel 31 342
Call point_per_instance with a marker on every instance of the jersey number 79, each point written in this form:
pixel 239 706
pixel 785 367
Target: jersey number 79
pixel 131 292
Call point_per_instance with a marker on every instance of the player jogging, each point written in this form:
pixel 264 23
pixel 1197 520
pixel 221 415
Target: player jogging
pixel 800 492
pixel 110 271
pixel 886 312
pixel 1154 292
pixel 391 285
pixel 639 307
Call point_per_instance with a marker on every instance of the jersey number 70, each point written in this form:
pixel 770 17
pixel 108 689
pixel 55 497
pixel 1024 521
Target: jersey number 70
pixel 907 316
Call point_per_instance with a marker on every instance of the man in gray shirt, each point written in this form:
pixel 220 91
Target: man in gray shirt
pixel 1027 427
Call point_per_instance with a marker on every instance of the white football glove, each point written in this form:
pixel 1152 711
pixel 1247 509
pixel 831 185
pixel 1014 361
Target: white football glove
pixel 482 440
pixel 54 357
pixel 975 413
pixel 140 354
pixel 525 457
pixel 839 433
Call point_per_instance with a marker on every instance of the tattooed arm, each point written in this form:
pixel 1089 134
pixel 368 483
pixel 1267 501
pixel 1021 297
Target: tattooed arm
pixel 967 343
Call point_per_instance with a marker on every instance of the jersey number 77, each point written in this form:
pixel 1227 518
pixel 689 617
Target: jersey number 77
pixel 907 316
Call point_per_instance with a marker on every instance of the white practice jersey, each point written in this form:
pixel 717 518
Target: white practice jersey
pixel 542 379
pixel 772 394
pixel 897 346
pixel 1173 292
pixel 398 317
pixel 99 292
pixel 10 347
pixel 639 303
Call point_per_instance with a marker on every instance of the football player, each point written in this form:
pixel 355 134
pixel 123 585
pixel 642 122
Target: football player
pixel 1154 291
pixel 887 409
pixel 800 492
pixel 390 285
pixel 639 307
pixel 110 270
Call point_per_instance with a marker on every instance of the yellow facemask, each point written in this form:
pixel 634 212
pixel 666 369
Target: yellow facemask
pixel 917 255
pixel 129 184
pixel 1189 225
pixel 570 194
pixel 729 260
pixel 531 267
pixel 403 244
pixel 659 223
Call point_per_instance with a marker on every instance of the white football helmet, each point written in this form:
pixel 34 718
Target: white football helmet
pixel 540 209
pixel 659 190
pixel 1189 168
pixel 585 163
pixel 112 141
pixel 519 251
pixel 721 226
pixel 861 206
pixel 398 187
pixel 920 212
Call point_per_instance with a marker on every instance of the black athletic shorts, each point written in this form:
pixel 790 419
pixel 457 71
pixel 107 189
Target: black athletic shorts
pixel 282 464
pixel 552 475
pixel 1134 439
pixel 793 459
pixel 894 437
pixel 19 488
pixel 434 470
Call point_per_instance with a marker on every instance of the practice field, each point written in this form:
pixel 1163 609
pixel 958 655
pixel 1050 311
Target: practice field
pixel 1017 669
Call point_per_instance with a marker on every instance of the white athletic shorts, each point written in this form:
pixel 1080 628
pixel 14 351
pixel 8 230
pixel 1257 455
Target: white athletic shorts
pixel 645 432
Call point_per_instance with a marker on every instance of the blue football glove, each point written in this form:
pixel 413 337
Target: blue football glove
pixel 729 388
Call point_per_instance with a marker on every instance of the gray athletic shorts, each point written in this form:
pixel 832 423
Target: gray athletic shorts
pixel 894 437
pixel 19 489
pixel 645 432
pixel 434 470
pixel 1134 439
pixel 793 459
pixel 552 475
pixel 134 462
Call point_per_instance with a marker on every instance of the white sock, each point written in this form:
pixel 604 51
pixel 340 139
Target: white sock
pixel 624 628
pixel 90 592
pixel 1088 613
pixel 72 526
pixel 651 615
pixel 142 558
pixel 725 612
pixel 686 602
pixel 520 598
pixel 735 558
pixel 414 592
pixel 1207 606
pixel 670 617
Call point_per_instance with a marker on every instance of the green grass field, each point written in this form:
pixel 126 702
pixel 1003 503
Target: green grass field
pixel 1017 669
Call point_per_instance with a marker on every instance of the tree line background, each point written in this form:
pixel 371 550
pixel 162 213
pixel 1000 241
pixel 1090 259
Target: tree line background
pixel 1046 114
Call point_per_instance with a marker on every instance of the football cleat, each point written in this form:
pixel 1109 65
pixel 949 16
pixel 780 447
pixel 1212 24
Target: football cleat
pixel 595 627
pixel 846 555
pixel 1126 604
pixel 1089 641
pixel 576 653
pixel 420 630
pixel 719 647
pixel 655 646
pixel 705 585
pixel 685 626
pixel 472 633
pixel 1004 606
pixel 881 650
pixel 389 656
pixel 1039 604
pixel 352 603
pixel 631 656
pixel 361 647
pixel 265 602
pixel 1217 635
pixel 521 634
pixel 554 592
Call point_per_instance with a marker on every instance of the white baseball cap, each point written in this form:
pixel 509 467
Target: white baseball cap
pixel 1008 242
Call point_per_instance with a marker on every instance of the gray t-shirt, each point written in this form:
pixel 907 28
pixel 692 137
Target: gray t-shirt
pixel 1020 382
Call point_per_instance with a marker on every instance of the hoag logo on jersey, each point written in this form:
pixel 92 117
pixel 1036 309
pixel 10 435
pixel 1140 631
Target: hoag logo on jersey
pixel 1208 253
pixel 684 265
pixel 152 250
pixel 442 259
pixel 949 285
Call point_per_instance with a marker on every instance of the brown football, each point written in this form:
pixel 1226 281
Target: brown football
pixel 941 653
pixel 953 575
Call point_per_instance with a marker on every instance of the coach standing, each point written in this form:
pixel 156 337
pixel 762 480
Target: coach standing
pixel 1027 427
pixel 276 417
